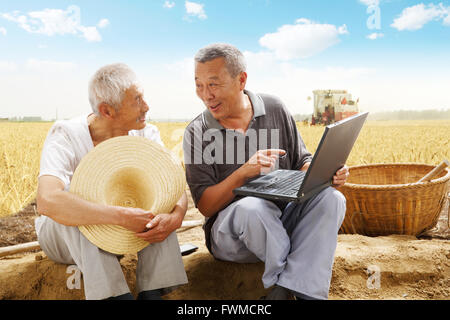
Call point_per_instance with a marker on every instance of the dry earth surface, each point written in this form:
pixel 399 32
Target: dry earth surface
pixel 389 267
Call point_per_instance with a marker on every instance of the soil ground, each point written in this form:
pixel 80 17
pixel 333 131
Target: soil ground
pixel 389 267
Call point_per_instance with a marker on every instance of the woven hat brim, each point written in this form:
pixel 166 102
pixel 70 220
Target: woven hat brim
pixel 132 172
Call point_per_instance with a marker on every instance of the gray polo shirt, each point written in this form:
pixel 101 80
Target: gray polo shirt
pixel 212 153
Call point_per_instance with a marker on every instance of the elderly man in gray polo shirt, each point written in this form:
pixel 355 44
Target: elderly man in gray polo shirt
pixel 239 136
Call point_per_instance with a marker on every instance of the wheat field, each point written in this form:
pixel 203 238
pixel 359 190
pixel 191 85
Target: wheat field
pixel 379 142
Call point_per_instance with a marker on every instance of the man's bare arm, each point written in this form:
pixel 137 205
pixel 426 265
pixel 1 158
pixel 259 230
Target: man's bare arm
pixel 217 197
pixel 70 210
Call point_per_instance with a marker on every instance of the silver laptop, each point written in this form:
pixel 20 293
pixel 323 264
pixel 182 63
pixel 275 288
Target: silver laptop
pixel 295 185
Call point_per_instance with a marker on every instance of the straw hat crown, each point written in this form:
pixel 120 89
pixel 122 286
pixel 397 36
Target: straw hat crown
pixel 127 171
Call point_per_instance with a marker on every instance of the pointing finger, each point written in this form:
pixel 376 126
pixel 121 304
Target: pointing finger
pixel 269 152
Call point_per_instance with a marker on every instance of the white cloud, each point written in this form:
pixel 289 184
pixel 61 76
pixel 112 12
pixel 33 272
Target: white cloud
pixel 195 9
pixel 103 23
pixel 303 39
pixel 343 29
pixel 52 22
pixel 55 21
pixel 261 60
pixel 415 17
pixel 446 21
pixel 169 4
pixel 49 66
pixel 264 66
pixel 15 17
pixel 293 82
pixel 91 34
pixel 370 3
pixel 375 35
pixel 3 31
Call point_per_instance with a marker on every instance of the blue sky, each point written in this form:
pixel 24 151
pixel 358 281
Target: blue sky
pixel 392 54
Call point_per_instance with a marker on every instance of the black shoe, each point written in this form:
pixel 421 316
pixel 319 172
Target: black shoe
pixel 126 296
pixel 303 297
pixel 150 295
pixel 279 293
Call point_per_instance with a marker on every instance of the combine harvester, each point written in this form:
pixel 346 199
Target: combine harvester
pixel 332 105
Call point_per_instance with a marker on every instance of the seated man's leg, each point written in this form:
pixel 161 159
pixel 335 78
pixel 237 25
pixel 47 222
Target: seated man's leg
pixel 160 266
pixel 102 274
pixel 250 230
pixel 313 241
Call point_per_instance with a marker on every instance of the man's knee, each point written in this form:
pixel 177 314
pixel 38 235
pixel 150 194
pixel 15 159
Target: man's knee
pixel 256 208
pixel 252 211
pixel 336 201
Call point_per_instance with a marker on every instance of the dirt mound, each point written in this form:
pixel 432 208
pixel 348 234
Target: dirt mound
pixel 18 228
pixel 393 267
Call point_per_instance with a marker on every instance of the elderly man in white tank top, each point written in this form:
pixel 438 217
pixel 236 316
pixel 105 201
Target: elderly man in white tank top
pixel 118 109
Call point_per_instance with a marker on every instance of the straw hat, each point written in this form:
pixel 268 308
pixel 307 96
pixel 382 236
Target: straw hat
pixel 127 171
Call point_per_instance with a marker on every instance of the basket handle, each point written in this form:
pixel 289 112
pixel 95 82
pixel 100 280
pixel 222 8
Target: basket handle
pixel 433 173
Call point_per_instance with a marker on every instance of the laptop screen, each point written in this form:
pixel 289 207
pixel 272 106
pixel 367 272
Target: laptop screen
pixel 333 151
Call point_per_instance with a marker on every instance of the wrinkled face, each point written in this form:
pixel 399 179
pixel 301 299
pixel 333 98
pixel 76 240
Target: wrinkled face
pixel 217 89
pixel 132 112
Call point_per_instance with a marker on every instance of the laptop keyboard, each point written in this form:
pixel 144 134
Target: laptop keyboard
pixel 288 183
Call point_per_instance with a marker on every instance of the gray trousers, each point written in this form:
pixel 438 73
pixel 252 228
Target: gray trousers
pixel 159 265
pixel 296 245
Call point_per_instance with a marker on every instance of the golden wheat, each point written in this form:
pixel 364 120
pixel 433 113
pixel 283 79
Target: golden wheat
pixel 379 142
pixel 425 142
pixel 20 145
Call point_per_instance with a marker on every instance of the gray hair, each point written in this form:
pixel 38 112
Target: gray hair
pixel 234 59
pixel 108 85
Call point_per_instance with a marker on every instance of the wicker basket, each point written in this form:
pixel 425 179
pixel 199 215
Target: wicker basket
pixel 384 199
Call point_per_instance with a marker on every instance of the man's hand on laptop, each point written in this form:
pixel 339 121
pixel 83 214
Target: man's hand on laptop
pixel 305 166
pixel 340 177
pixel 262 162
